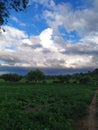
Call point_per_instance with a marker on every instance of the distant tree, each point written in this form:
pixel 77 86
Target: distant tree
pixel 85 80
pixel 35 75
pixel 11 77
pixel 64 78
pixel 95 71
pixel 94 76
pixel 7 5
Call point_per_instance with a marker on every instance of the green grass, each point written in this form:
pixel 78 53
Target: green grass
pixel 42 106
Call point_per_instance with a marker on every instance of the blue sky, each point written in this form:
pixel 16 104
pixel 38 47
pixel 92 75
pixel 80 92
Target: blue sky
pixel 52 34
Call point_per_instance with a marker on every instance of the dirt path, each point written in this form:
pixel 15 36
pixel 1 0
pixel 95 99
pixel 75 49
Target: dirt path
pixel 89 122
pixel 92 114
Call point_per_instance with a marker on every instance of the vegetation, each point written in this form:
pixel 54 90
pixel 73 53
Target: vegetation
pixel 25 106
pixel 40 102
pixel 79 78
pixel 35 76
pixel 11 77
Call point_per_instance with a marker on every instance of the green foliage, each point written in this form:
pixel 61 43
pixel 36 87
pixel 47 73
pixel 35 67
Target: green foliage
pixel 85 80
pixel 35 75
pixel 63 78
pixel 42 106
pixel 95 71
pixel 11 77
pixel 78 78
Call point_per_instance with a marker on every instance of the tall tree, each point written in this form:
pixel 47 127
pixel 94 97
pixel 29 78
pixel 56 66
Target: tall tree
pixel 7 5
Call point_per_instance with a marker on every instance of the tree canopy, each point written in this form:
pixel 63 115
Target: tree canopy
pixel 7 5
pixel 35 75
pixel 11 77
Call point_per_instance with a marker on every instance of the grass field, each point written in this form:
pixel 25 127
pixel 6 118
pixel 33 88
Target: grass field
pixel 42 106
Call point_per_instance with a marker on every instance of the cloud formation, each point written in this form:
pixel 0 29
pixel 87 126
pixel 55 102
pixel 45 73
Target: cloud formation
pixel 83 21
pixel 51 48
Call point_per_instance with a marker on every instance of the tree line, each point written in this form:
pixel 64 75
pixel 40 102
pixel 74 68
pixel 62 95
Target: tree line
pixel 32 76
pixel 37 76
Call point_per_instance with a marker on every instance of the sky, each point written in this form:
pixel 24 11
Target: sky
pixel 51 34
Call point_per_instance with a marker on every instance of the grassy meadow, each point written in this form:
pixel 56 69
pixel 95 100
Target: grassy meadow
pixel 27 106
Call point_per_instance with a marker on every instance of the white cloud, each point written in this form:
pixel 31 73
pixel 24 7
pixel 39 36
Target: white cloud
pixel 26 42
pixel 13 33
pixel 83 21
pixel 42 51
pixel 45 3
pixel 15 19
pixel 49 48
pixel 46 38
